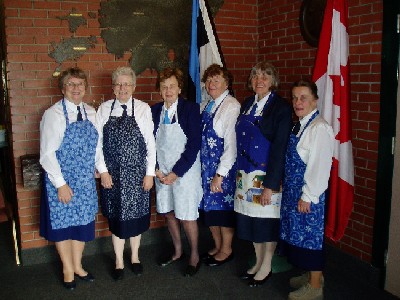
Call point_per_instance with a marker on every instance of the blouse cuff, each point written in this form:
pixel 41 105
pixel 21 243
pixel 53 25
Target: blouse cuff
pixel 308 198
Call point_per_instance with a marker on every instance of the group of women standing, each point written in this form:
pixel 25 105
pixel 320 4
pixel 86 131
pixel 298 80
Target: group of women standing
pixel 222 162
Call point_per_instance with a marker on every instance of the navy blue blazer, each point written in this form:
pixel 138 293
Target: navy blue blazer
pixel 190 122
pixel 275 125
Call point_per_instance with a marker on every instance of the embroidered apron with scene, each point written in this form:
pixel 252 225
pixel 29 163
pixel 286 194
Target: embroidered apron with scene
pixel 252 156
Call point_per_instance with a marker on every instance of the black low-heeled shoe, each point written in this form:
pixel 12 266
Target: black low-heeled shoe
pixel 88 277
pixel 137 269
pixel 192 270
pixel 212 262
pixel 255 282
pixel 167 260
pixel 205 256
pixel 70 285
pixel 118 274
pixel 246 276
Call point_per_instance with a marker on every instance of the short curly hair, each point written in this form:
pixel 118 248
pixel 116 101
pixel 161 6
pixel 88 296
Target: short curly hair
pixel 168 73
pixel 216 69
pixel 264 67
pixel 123 71
pixel 73 72
pixel 307 83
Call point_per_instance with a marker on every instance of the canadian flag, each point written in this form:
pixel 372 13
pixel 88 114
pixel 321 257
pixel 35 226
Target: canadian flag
pixel 331 74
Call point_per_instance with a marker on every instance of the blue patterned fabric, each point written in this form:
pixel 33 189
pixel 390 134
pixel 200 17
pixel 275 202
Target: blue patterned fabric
pixel 125 155
pixel 252 146
pixel 212 148
pixel 304 230
pixel 76 157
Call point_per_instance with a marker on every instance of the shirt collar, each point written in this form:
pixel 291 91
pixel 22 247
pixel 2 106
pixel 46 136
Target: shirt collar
pixel 128 103
pixel 221 98
pixel 172 107
pixel 304 120
pixel 72 106
pixel 262 101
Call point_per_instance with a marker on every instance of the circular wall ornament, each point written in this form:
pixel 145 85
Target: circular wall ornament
pixel 311 17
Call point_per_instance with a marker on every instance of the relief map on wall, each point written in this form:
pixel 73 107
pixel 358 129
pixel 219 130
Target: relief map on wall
pixel 157 33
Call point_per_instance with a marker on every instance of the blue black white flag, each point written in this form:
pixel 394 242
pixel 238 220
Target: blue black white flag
pixel 203 50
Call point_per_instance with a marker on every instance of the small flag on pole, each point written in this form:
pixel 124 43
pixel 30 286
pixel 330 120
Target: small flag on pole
pixel 331 74
pixel 203 49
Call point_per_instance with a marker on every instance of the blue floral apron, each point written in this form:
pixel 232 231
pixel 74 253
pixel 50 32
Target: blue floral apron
pixel 252 162
pixel 304 230
pixel 212 148
pixel 125 155
pixel 76 157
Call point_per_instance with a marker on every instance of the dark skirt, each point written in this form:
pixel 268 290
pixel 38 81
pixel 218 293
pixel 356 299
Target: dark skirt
pixel 223 218
pixel 257 230
pixel 129 228
pixel 306 259
pixel 83 233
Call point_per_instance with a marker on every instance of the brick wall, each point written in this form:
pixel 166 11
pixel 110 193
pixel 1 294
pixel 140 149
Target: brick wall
pixel 249 31
pixel 31 26
pixel 280 41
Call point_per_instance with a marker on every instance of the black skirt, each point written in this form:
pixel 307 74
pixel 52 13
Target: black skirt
pixel 223 218
pixel 257 230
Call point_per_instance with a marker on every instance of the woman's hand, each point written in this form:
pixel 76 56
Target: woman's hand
pixel 304 207
pixel 106 180
pixel 170 178
pixel 216 184
pixel 148 182
pixel 160 175
pixel 265 198
pixel 65 194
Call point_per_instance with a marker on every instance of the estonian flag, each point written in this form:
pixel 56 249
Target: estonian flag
pixel 203 49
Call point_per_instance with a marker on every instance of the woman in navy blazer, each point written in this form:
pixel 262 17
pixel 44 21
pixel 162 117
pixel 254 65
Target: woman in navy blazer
pixel 262 129
pixel 178 174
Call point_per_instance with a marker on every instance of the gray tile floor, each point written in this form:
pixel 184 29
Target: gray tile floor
pixel 43 281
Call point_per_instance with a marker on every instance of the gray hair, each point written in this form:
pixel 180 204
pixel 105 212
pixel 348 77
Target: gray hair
pixel 265 68
pixel 124 71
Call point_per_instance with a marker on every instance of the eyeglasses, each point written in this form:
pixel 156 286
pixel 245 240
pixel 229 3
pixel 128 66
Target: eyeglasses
pixel 122 84
pixel 73 85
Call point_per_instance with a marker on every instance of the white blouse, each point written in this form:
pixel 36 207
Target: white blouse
pixel 52 128
pixel 146 126
pixel 260 104
pixel 316 151
pixel 224 125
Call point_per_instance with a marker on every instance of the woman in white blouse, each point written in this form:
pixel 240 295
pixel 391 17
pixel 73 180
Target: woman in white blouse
pixel 127 168
pixel 68 152
pixel 218 168
pixel 307 170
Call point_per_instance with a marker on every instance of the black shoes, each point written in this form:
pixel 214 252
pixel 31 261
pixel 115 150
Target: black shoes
pixel 118 274
pixel 246 276
pixel 70 285
pixel 205 256
pixel 88 277
pixel 212 262
pixel 254 282
pixel 192 270
pixel 167 260
pixel 137 269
